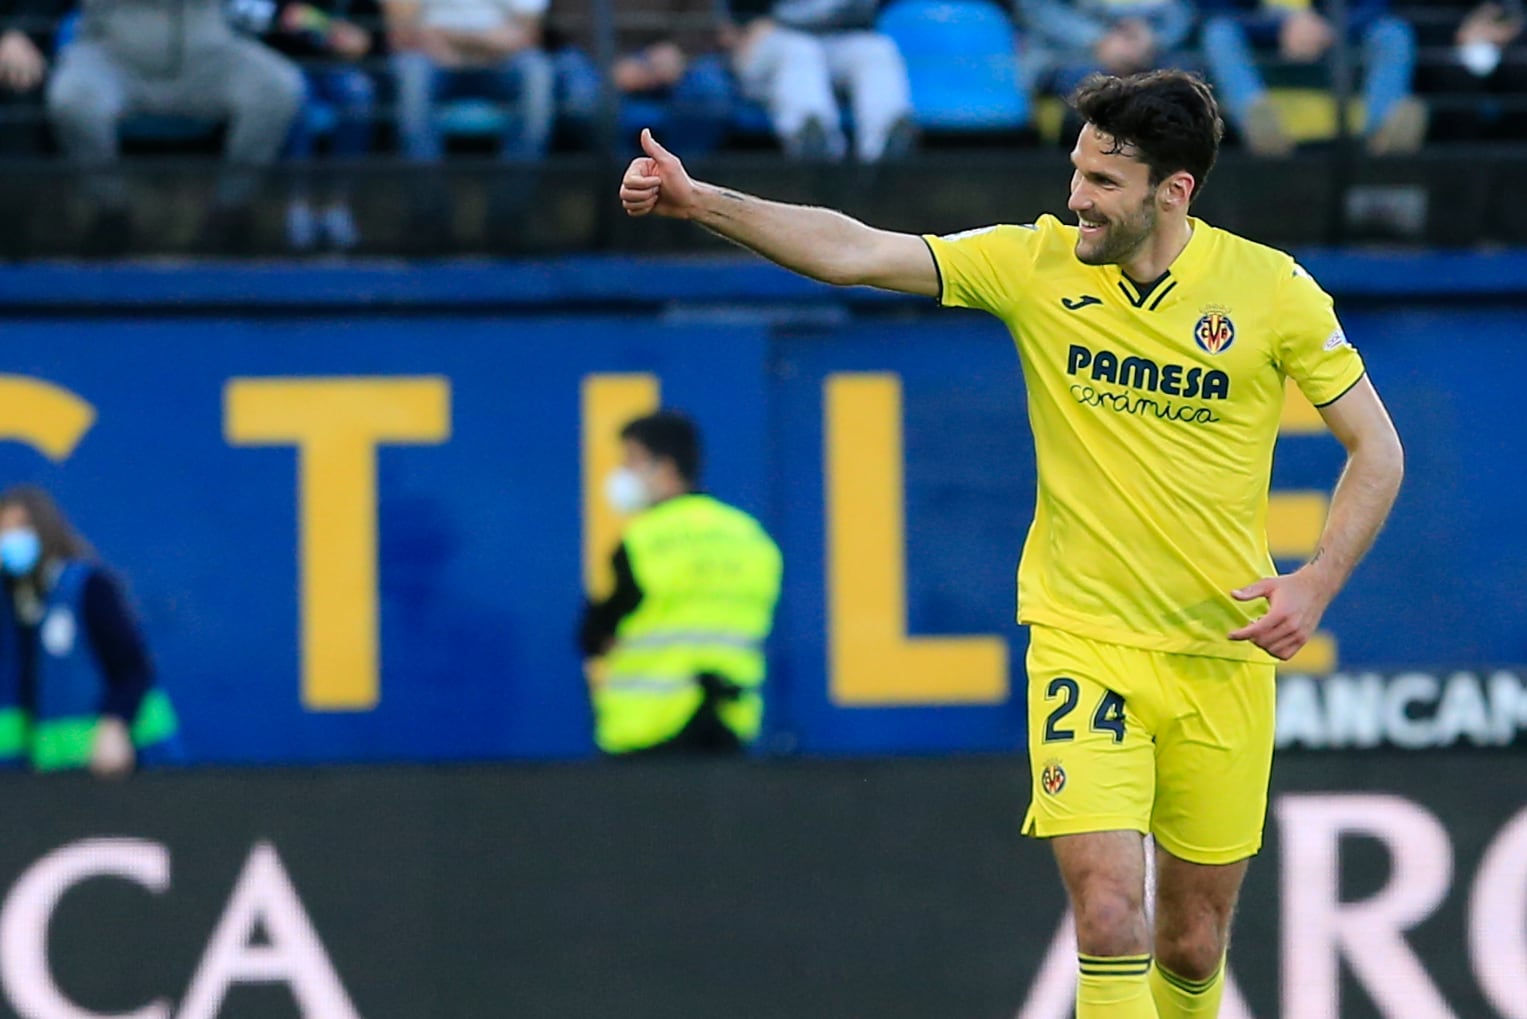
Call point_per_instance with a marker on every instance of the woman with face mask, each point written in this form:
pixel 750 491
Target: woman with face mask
pixel 76 686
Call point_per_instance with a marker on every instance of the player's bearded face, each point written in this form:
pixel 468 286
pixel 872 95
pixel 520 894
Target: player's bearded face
pixel 1112 197
pixel 1111 237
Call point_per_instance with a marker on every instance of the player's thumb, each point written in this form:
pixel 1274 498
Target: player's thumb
pixel 652 148
pixel 1260 589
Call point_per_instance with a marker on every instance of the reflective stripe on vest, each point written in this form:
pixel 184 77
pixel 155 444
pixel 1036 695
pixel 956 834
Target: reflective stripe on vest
pixel 659 684
pixel 13 734
pixel 67 742
pixel 693 638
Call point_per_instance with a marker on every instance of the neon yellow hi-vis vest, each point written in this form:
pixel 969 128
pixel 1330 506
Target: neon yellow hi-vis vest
pixel 709 577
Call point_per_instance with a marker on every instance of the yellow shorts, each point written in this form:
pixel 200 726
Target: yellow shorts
pixel 1177 746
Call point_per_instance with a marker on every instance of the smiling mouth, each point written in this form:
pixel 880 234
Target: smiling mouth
pixel 1089 226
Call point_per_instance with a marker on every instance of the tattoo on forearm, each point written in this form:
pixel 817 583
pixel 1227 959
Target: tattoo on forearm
pixel 734 196
pixel 1316 557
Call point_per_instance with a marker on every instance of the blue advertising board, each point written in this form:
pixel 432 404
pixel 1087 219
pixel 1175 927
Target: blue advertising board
pixel 355 534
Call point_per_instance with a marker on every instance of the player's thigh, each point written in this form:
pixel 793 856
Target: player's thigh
pixel 1090 750
pixel 1214 759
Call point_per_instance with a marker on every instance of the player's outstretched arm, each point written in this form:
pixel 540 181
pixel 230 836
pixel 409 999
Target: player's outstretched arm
pixel 819 243
pixel 1359 506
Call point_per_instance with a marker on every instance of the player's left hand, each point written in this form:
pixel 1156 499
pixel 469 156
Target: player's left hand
pixel 1295 603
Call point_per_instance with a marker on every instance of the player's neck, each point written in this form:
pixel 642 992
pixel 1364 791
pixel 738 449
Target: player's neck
pixel 1158 253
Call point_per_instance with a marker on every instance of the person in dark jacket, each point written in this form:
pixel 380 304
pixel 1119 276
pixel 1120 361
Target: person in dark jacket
pixel 77 687
pixel 26 38
pixel 333 37
pixel 667 56
pixel 1479 51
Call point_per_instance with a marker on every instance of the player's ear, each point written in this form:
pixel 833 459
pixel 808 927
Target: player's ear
pixel 1177 190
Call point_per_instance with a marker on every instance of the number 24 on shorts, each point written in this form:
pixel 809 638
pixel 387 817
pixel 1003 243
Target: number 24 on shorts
pixel 1107 717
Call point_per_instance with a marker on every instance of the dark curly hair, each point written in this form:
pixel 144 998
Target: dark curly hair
pixel 1169 118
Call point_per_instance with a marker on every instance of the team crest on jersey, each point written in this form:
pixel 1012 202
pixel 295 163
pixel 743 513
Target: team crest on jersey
pixel 1053 778
pixel 1215 332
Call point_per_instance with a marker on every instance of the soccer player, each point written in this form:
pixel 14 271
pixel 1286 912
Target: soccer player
pixel 1155 349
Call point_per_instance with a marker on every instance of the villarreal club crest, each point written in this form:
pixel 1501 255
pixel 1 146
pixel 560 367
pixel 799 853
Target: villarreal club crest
pixel 1214 332
pixel 1053 778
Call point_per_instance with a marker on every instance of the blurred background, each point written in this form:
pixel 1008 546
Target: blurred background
pixel 322 322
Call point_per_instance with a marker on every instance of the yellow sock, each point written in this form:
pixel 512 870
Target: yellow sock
pixel 1114 987
pixel 1180 998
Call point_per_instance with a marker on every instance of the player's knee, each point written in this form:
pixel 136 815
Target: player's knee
pixel 1110 922
pixel 1191 954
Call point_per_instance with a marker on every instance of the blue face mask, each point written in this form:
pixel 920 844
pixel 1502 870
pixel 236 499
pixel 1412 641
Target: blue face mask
pixel 19 551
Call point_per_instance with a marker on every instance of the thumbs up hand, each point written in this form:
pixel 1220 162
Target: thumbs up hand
pixel 657 182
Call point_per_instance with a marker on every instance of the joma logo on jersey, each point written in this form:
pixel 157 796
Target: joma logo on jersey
pixel 1214 332
pixel 1143 373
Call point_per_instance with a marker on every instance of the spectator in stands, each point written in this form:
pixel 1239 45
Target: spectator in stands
pixel 76 686
pixel 791 56
pixel 1066 40
pixel 1298 33
pixel 185 58
pixel 1487 56
pixel 681 635
pixel 25 40
pixel 333 37
pixel 1484 35
pixel 449 49
pixel 666 54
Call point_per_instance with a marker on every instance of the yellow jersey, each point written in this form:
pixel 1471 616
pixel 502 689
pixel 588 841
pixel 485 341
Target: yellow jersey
pixel 1154 411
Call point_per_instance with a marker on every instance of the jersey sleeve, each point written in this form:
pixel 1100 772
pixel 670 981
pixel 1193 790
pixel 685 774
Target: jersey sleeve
pixel 1312 349
pixel 986 268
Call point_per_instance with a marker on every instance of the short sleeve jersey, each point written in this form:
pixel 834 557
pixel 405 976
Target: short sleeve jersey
pixel 1154 412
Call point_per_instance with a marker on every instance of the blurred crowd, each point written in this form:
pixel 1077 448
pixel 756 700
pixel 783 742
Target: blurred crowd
pixel 822 80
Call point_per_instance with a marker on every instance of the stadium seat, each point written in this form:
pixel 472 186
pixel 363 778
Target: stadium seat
pixel 961 62
pixel 1309 114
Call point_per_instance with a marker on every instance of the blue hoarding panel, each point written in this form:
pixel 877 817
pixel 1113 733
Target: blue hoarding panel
pixel 479 528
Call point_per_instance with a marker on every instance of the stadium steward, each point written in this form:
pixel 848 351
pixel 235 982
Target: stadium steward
pixel 77 688
pixel 681 635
